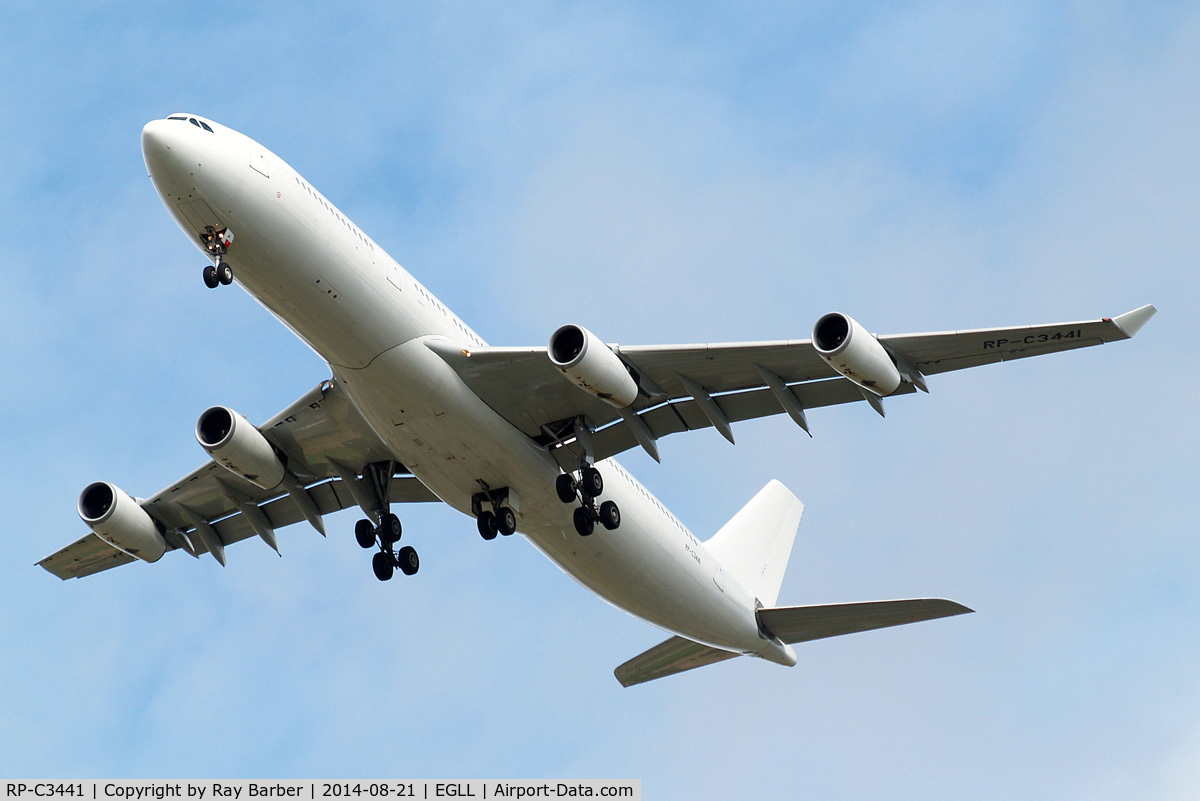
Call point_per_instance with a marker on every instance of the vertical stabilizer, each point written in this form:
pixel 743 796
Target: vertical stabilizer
pixel 755 545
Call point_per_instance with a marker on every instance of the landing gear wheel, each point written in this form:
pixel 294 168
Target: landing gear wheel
pixel 487 525
pixel 381 563
pixel 564 485
pixel 407 561
pixel 583 522
pixel 390 529
pixel 210 277
pixel 610 515
pixel 364 533
pixel 224 274
pixel 506 521
pixel 592 481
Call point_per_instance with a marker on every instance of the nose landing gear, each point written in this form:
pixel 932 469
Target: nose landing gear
pixel 586 489
pixel 217 243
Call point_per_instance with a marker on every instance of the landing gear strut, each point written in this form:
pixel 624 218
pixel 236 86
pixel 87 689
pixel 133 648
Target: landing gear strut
pixel 586 489
pixel 217 243
pixel 377 476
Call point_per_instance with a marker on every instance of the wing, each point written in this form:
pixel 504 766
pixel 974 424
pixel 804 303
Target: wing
pixel 324 442
pixel 85 556
pixel 685 387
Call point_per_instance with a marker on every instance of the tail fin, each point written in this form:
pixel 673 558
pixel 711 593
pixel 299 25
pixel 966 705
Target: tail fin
pixel 755 545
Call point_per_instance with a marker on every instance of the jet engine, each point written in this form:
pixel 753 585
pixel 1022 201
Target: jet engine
pixel 592 366
pixel 121 521
pixel 239 447
pixel 848 348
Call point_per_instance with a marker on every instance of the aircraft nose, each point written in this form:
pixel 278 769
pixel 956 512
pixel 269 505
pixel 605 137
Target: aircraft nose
pixel 172 154
pixel 156 142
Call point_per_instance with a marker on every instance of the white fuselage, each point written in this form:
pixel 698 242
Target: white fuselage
pixel 373 323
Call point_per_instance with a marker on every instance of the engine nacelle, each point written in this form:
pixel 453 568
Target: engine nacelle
pixel 121 522
pixel 848 348
pixel 239 447
pixel 592 366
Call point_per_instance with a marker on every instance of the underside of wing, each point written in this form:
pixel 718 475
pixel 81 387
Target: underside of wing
pixel 686 387
pixel 525 387
pixel 956 350
pixel 323 445
pixel 85 556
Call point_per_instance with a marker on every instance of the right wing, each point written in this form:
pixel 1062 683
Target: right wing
pixel 319 436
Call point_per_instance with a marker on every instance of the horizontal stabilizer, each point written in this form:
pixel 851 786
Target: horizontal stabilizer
pixel 793 624
pixel 667 658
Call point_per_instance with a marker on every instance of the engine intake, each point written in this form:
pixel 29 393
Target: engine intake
pixel 120 521
pixel 239 447
pixel 592 366
pixel 851 350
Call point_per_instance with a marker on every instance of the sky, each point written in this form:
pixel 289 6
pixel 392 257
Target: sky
pixel 660 173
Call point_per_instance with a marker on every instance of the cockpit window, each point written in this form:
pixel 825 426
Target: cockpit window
pixel 193 121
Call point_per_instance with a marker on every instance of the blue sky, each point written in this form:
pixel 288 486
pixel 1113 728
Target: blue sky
pixel 658 173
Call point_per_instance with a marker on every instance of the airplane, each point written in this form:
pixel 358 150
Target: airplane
pixel 419 408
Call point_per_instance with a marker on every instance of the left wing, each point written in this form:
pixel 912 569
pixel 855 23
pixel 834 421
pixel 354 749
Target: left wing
pixel 685 387
pixel 324 443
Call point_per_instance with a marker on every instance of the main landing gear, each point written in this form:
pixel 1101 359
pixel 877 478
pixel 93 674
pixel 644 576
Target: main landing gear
pixel 377 476
pixel 217 243
pixel 493 512
pixel 586 489
pixel 386 536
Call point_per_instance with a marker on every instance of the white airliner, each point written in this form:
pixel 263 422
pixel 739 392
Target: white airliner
pixel 419 408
